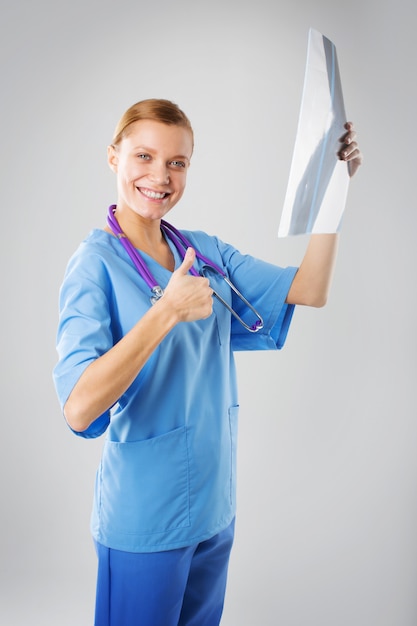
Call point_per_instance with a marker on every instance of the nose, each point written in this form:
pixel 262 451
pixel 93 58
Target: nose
pixel 159 173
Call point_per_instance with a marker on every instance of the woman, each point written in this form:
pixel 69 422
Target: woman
pixel 146 353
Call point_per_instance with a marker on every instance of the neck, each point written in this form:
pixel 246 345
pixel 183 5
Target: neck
pixel 146 236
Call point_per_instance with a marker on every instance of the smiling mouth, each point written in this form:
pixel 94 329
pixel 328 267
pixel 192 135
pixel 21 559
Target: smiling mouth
pixel 153 195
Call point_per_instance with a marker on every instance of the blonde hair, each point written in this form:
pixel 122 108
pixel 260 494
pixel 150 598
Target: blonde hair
pixel 155 109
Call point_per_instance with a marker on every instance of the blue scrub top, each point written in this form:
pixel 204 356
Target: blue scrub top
pixel 167 474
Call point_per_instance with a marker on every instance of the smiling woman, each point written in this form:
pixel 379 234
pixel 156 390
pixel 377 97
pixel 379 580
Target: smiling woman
pixel 165 497
pixel 150 160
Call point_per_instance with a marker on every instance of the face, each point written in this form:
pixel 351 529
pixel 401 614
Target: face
pixel 151 165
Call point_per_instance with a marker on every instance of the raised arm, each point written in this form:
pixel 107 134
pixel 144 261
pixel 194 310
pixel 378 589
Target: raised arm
pixel 312 282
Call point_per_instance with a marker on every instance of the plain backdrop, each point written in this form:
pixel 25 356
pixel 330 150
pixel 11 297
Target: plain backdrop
pixel 327 487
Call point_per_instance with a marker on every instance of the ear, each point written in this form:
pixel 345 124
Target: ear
pixel 112 158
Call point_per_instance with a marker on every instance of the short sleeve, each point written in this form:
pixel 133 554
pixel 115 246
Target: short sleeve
pixel 84 328
pixel 266 287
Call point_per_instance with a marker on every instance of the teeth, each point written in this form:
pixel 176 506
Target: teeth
pixel 153 194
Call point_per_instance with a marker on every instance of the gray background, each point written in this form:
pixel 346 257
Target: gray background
pixel 327 516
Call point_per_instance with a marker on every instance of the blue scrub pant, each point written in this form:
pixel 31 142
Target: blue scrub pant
pixel 184 587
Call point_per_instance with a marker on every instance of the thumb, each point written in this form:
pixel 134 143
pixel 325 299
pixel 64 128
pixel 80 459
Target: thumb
pixel 188 261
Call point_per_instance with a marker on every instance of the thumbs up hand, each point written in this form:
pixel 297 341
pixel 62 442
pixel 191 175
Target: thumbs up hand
pixel 188 262
pixel 190 296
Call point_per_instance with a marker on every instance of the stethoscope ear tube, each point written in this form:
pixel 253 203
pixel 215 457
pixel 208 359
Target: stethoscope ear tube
pixel 258 325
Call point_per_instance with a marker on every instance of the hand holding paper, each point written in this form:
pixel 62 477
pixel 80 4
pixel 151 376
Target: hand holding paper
pixel 350 150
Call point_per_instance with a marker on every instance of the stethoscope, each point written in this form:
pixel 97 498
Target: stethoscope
pixel 181 244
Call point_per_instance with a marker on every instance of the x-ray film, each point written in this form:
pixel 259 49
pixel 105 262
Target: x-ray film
pixel 318 181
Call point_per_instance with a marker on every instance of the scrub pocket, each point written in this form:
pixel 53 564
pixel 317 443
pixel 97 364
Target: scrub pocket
pixel 144 485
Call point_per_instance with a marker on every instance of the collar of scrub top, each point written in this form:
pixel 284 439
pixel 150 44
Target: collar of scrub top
pixel 181 243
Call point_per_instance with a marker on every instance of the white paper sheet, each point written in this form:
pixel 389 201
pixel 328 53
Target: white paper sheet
pixel 318 182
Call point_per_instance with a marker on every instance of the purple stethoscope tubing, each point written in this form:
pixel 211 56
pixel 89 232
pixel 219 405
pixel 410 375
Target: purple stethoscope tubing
pixel 181 243
pixel 130 249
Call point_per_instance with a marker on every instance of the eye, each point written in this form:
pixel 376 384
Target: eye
pixel 143 157
pixel 179 164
